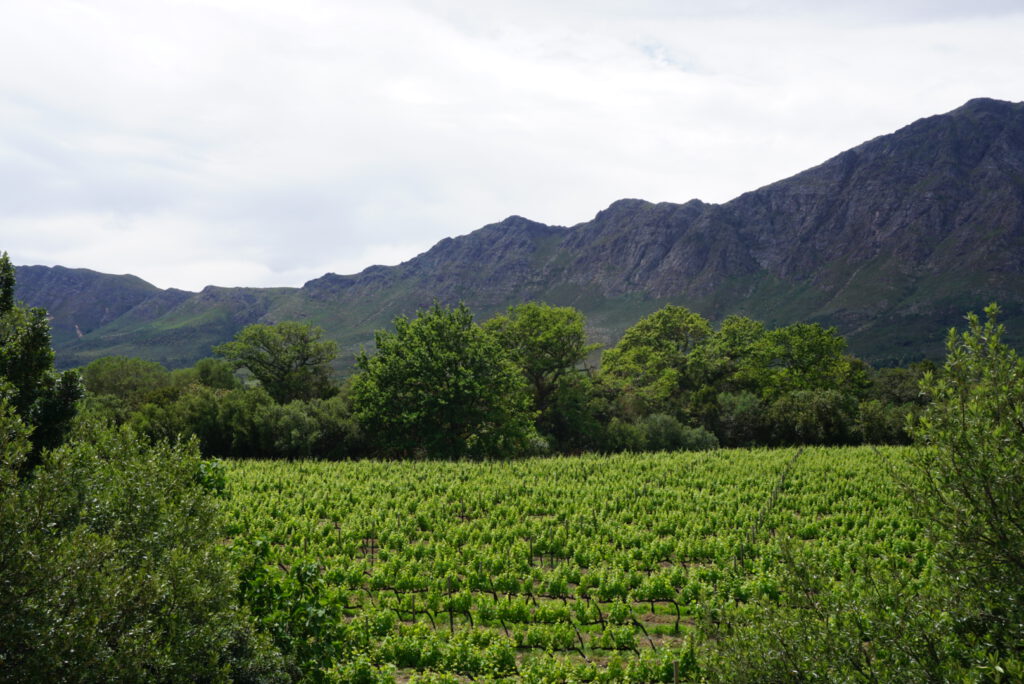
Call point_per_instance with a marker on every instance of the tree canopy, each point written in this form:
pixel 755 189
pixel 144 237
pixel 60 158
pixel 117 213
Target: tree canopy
pixel 440 386
pixel 42 398
pixel 290 359
pixel 548 343
pixel 129 379
pixel 971 459
pixel 653 363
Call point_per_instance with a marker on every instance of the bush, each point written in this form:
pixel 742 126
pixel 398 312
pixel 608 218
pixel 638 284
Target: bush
pixel 813 417
pixel 662 432
pixel 879 423
pixel 248 423
pixel 112 568
pixel 622 435
pixel 657 432
pixel 971 459
pixel 740 419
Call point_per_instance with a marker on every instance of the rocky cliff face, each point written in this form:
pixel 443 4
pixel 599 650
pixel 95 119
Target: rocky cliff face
pixel 891 241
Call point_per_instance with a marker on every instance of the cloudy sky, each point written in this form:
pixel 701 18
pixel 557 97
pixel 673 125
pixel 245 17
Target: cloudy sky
pixel 260 142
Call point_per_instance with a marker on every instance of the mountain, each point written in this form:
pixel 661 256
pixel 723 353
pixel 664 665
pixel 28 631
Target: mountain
pixel 891 241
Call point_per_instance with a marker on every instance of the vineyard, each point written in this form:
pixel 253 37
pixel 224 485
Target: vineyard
pixel 577 568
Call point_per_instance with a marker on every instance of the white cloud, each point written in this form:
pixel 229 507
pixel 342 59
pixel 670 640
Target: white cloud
pixel 255 143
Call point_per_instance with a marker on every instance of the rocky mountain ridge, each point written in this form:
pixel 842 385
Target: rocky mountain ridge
pixel 891 241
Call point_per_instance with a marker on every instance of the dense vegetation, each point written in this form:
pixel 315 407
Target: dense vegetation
pixel 442 386
pixel 111 561
pixel 127 554
pixel 574 568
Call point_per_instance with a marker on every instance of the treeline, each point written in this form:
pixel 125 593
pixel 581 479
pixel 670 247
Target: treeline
pixel 443 386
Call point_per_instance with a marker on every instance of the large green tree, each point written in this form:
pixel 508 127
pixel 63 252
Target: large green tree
pixel 442 387
pixel 549 344
pixel 112 566
pixel 807 356
pixel 291 360
pixel 656 366
pixel 43 399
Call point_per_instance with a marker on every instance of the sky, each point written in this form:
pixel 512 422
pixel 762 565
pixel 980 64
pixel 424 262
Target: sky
pixel 265 143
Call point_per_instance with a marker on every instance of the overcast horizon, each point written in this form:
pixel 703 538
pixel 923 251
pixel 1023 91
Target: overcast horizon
pixel 245 143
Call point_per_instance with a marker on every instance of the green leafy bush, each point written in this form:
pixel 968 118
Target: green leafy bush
pixel 661 432
pixel 813 417
pixel 971 458
pixel 112 567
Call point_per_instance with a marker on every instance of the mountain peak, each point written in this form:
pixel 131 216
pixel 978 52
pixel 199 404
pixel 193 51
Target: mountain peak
pixel 988 104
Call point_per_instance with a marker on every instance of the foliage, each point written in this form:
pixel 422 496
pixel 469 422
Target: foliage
pixel 971 457
pixel 747 384
pixel 112 568
pixel 208 372
pixel 207 401
pixel 882 622
pixel 557 568
pixel 879 423
pixel 956 614
pixel 131 381
pixel 548 343
pixel 812 417
pixel 43 399
pixel 654 364
pixel 664 433
pixel 740 419
pixel 441 386
pixel 248 423
pixel 657 432
pixel 734 358
pixel 806 356
pixel 574 421
pixel 290 359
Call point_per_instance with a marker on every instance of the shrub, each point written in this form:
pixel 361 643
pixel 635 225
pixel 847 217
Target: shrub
pixel 812 417
pixel 112 569
pixel 661 432
pixel 740 419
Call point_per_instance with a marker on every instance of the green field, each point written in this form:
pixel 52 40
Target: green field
pixel 561 568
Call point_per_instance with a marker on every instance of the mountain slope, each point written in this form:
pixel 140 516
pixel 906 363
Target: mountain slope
pixel 80 301
pixel 892 241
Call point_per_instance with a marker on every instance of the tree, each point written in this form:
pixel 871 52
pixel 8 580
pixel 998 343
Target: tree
pixel 547 343
pixel 735 357
pixel 42 398
pixel 291 360
pixel 655 365
pixel 215 373
pixel 971 462
pixel 820 416
pixel 131 380
pixel 440 386
pixel 806 356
